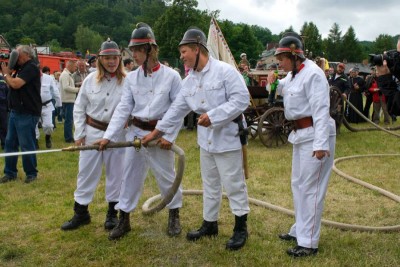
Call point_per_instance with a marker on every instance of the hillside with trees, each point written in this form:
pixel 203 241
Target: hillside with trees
pixel 75 25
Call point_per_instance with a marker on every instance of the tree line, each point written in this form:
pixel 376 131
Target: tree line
pixel 76 25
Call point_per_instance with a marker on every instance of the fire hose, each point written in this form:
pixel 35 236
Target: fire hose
pixel 179 174
pixel 136 143
pixel 376 126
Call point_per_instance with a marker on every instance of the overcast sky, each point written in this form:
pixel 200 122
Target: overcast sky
pixel 369 18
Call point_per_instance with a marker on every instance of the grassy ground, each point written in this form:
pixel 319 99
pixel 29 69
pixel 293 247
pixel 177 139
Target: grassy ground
pixel 31 214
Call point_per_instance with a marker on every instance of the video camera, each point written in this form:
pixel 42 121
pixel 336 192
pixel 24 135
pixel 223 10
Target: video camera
pixel 392 58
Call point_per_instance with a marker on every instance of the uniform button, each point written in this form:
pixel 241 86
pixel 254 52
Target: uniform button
pixel 108 94
pixel 105 109
pixel 209 142
pixel 202 101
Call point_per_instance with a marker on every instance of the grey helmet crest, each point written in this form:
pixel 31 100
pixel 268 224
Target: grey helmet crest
pixel 109 48
pixel 142 34
pixel 194 36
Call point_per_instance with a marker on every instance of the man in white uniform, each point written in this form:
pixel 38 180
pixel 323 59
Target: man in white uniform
pixel 148 93
pixel 217 92
pixel 305 93
pixel 98 97
pixel 48 92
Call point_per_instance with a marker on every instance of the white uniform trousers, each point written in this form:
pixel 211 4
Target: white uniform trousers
pixel 223 171
pixel 136 167
pixel 47 120
pixel 310 178
pixel 90 169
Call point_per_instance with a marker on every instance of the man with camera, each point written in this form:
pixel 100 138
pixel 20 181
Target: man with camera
pixel 25 106
pixel 388 73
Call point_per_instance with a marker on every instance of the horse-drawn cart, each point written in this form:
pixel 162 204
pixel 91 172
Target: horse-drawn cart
pixel 268 122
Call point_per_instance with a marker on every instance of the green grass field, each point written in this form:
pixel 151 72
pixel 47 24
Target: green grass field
pixel 31 214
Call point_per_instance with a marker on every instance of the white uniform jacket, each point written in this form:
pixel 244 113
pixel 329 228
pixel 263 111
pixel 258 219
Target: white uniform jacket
pixel 145 98
pixel 49 90
pixel 218 90
pixel 99 102
pixel 308 97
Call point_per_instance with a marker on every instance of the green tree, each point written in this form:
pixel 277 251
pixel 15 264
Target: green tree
pixel 86 39
pixel 383 42
pixel 27 41
pixel 170 27
pixel 290 29
pixel 242 40
pixel 350 46
pixel 312 39
pixel 14 36
pixel 150 11
pixel 264 35
pixel 332 45
pixel 54 46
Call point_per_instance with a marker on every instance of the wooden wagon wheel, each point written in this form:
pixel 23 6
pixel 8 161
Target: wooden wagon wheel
pixel 251 121
pixel 274 128
pixel 337 106
pixel 253 130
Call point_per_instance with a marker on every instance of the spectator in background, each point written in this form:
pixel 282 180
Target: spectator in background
pixel 331 72
pixel 244 70
pixel 271 87
pixel 25 108
pixel 58 111
pixel 354 95
pixel 48 93
pixel 92 64
pixel 80 74
pixel 129 64
pixel 379 100
pixel 339 79
pixel 3 110
pixel 367 93
pixel 68 94
pixel 243 60
pixel 46 70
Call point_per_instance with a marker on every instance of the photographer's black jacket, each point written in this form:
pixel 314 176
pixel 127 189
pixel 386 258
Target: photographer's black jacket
pixel 27 99
pixel 340 82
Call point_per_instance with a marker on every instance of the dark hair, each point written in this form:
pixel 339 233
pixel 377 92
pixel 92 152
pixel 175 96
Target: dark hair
pixel 46 69
pixel 127 61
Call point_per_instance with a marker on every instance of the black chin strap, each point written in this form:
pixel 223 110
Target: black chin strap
pixel 148 49
pixel 294 69
pixel 197 59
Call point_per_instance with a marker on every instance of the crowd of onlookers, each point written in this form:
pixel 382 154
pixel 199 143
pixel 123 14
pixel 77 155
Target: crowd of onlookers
pixel 362 91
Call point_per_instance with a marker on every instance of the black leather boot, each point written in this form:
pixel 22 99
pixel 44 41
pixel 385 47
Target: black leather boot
pixel 81 217
pixel 123 226
pixel 174 226
pixel 112 216
pixel 240 233
pixel 207 229
pixel 48 141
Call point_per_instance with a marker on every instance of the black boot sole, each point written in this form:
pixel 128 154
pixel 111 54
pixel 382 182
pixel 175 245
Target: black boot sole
pixel 76 227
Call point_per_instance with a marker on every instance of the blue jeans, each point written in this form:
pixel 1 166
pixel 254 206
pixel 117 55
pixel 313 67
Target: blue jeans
pixel 21 133
pixel 68 110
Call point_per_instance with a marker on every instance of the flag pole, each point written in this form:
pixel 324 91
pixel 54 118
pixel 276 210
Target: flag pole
pixel 230 53
pixel 244 146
